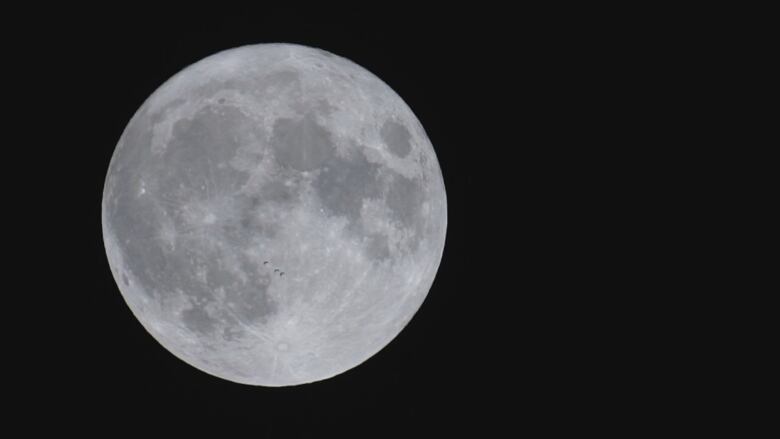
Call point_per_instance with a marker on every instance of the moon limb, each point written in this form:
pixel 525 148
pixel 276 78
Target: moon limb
pixel 273 159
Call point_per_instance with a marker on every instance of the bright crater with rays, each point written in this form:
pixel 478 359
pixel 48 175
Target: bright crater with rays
pixel 274 214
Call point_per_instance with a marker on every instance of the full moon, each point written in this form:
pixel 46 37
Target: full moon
pixel 274 214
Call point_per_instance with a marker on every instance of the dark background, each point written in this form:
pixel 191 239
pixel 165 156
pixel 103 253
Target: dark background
pixel 526 325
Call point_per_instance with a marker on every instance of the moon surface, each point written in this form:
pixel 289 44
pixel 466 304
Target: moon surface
pixel 274 214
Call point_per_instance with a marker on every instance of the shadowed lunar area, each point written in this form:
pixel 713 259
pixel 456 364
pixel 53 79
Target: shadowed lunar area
pixel 274 214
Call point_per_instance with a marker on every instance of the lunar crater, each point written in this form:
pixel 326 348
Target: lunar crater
pixel 344 183
pixel 396 137
pixel 301 144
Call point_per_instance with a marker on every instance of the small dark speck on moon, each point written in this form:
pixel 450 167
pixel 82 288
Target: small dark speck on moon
pixel 221 100
pixel 125 280
pixel 265 262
